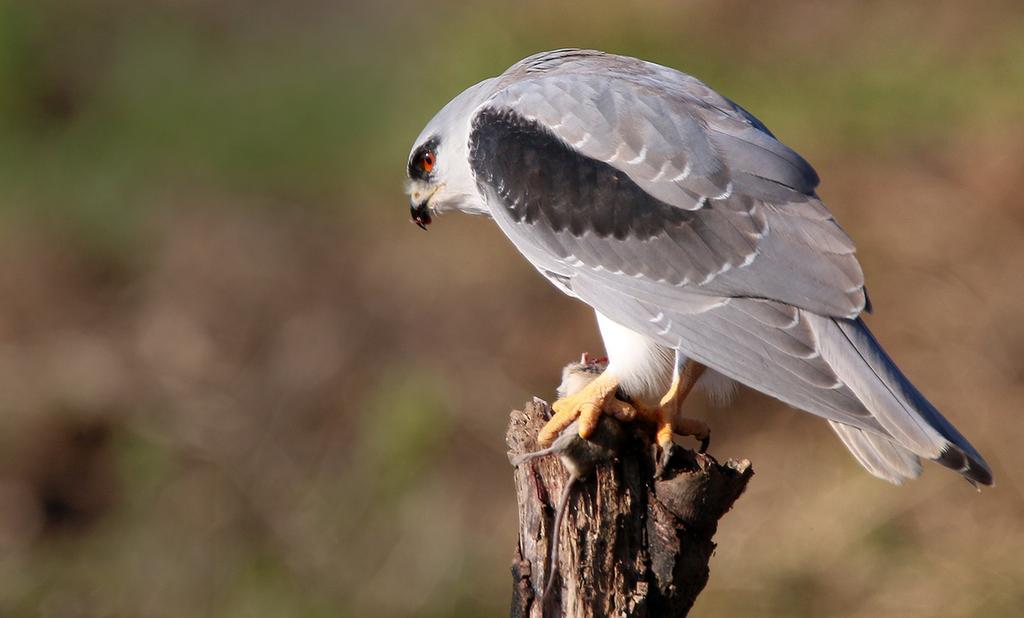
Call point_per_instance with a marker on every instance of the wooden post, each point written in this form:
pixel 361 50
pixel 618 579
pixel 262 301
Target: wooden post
pixel 629 545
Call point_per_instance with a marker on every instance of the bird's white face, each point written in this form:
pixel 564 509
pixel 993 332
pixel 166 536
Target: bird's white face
pixel 425 181
pixel 439 175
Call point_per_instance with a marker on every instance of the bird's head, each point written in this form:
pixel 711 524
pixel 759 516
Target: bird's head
pixel 439 174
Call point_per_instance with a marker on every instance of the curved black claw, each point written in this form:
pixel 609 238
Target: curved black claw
pixel 705 443
pixel 663 459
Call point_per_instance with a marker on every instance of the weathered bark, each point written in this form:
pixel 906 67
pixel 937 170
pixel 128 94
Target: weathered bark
pixel 630 544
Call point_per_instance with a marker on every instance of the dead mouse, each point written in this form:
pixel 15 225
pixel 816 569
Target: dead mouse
pixel 579 456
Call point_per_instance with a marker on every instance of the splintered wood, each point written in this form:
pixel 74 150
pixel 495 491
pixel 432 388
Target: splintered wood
pixel 630 544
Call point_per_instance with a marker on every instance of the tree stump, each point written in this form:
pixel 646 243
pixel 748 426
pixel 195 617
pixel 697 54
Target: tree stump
pixel 629 544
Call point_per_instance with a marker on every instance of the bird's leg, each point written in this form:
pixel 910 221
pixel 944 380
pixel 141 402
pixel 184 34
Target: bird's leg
pixel 685 379
pixel 667 417
pixel 587 405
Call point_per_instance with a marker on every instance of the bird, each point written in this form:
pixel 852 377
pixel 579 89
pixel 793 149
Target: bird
pixel 697 237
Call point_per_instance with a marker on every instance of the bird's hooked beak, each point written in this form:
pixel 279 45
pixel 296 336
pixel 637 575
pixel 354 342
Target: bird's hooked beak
pixel 420 213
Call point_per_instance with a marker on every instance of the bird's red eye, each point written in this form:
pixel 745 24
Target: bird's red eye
pixel 427 161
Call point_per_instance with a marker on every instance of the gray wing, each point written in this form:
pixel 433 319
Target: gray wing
pixel 675 213
pixel 698 180
pixel 831 367
pixel 634 114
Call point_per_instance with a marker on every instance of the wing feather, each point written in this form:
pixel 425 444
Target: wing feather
pixel 706 189
pixel 879 456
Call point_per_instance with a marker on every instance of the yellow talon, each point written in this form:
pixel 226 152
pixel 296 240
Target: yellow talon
pixel 598 397
pixel 668 418
pixel 662 427
pixel 587 405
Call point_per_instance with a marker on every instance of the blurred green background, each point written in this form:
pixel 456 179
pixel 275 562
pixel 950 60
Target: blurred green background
pixel 234 381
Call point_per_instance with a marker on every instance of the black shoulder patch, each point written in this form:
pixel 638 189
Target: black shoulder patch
pixel 540 177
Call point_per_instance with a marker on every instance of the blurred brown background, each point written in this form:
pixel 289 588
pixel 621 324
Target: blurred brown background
pixel 235 381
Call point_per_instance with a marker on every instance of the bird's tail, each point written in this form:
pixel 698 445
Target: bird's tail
pixel 879 455
pixel 915 426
